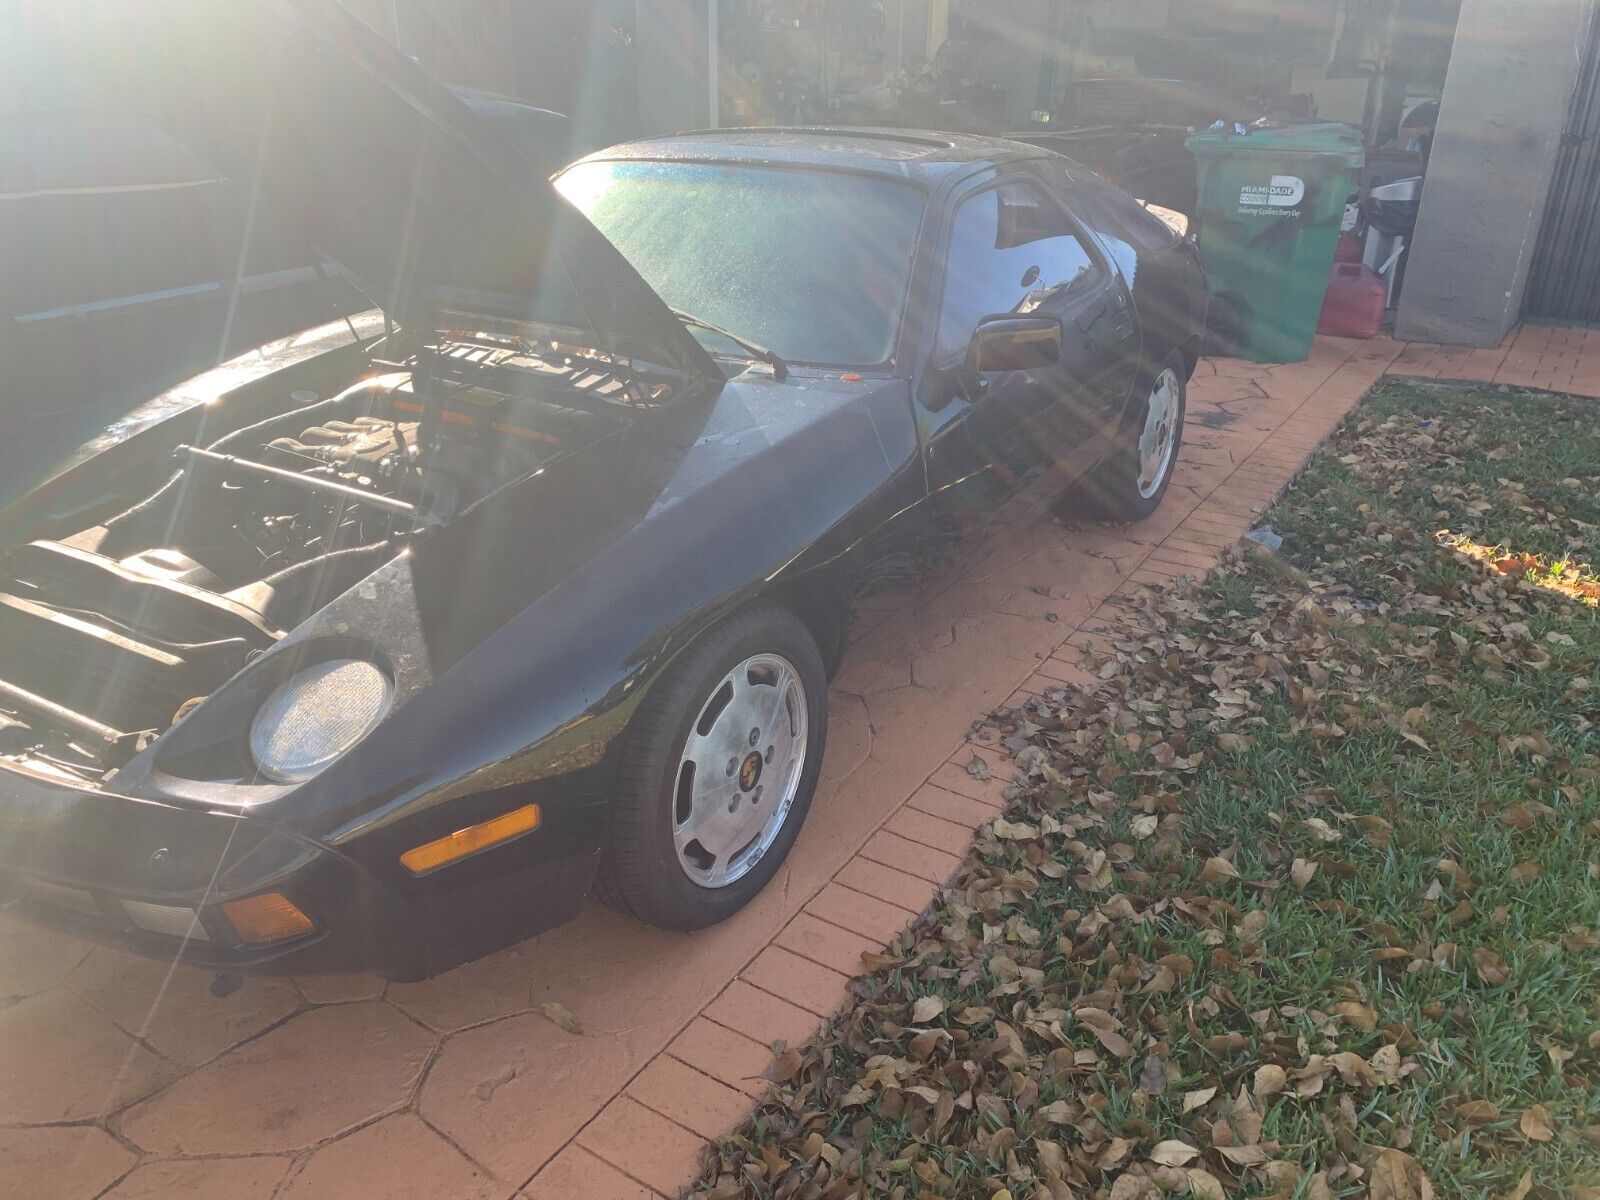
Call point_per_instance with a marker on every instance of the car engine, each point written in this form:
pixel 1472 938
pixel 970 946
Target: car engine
pixel 110 633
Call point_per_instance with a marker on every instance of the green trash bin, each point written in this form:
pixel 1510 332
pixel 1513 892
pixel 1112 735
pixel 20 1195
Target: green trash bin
pixel 1270 205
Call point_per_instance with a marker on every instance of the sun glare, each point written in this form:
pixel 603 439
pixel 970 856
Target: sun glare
pixel 1572 579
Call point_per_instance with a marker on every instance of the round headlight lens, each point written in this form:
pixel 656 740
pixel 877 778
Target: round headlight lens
pixel 310 720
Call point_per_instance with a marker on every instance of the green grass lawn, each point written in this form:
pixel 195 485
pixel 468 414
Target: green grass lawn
pixel 1302 900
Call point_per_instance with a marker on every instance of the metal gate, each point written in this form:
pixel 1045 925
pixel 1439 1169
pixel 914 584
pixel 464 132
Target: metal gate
pixel 1564 280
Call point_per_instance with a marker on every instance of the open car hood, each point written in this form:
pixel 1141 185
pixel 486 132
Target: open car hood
pixel 388 172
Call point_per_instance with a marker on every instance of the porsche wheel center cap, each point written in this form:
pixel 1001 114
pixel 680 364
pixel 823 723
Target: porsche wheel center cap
pixel 750 771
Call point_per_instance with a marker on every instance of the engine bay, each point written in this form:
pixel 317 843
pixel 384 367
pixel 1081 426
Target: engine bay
pixel 112 632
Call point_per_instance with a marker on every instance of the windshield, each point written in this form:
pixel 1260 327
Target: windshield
pixel 813 264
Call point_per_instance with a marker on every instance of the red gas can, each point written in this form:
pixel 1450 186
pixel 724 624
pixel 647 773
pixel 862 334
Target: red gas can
pixel 1354 303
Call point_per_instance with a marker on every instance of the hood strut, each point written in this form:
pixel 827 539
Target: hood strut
pixel 354 495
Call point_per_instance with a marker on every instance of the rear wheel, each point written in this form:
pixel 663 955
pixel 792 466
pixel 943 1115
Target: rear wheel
pixel 1129 485
pixel 718 772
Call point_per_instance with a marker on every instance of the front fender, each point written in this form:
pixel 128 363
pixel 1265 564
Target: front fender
pixel 525 635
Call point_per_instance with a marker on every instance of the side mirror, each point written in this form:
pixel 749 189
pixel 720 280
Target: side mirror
pixel 1000 343
pixel 1007 343
pixel 942 384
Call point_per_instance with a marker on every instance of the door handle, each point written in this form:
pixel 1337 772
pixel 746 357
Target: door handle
pixel 1124 317
pixel 1099 329
pixel 1088 321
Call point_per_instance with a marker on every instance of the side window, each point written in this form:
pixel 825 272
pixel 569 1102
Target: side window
pixel 1112 211
pixel 1011 251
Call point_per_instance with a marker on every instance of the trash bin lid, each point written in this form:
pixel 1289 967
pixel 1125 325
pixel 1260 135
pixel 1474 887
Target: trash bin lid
pixel 1400 189
pixel 1312 137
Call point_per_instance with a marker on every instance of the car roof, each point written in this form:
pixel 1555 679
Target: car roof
pixel 910 154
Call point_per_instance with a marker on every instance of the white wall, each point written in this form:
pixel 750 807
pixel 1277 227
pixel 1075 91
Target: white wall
pixel 1511 80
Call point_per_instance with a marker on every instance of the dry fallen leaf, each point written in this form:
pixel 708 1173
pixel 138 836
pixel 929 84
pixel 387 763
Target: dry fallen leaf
pixel 562 1016
pixel 1113 1041
pixel 1203 1185
pixel 1270 1080
pixel 1253 922
pixel 1490 969
pixel 1385 1063
pixel 1301 873
pixel 1173 1154
pixel 1518 816
pixel 926 1009
pixel 1013 831
pixel 1358 1016
pixel 1321 829
pixel 1535 1123
pixel 1396 1175
pixel 1243 1156
pixel 1153 1075
pixel 1246 1118
pixel 1526 871
pixel 1058 1112
pixel 784 1067
pixel 1193 1100
pixel 1352 1068
pixel 776 1163
pixel 1217 869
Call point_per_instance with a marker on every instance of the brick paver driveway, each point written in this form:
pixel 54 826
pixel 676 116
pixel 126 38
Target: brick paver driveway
pixel 122 1078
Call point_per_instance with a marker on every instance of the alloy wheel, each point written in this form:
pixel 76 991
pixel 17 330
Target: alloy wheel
pixel 740 770
pixel 1158 439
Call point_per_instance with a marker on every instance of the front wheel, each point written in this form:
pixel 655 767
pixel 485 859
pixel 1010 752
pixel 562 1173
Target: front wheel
pixel 718 772
pixel 1129 485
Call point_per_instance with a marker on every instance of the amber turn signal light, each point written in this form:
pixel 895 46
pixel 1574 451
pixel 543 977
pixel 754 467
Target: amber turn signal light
pixel 430 856
pixel 269 917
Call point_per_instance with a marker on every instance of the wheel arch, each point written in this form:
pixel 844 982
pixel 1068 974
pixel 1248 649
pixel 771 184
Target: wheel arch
pixel 1162 343
pixel 819 604
pixel 1189 348
pixel 822 609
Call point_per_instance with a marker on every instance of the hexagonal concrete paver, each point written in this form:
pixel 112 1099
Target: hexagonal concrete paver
pixel 511 1094
pixel 849 738
pixel 62 1060
pixel 33 958
pixel 340 989
pixel 485 990
pixel 319 1074
pixel 255 1178
pixel 65 1163
pixel 397 1158
pixel 173 1009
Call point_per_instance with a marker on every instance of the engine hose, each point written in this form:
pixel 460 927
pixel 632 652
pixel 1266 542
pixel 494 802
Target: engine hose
pixel 332 558
pixel 318 570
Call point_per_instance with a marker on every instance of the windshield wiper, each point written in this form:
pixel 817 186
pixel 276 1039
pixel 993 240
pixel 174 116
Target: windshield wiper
pixel 780 369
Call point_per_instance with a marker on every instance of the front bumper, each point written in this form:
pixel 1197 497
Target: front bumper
pixel 107 867
pixel 200 939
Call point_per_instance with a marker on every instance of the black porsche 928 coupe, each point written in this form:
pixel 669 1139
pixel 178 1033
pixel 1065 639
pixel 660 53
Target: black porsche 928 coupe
pixel 382 647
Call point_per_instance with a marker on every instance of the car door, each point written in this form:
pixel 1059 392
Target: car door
pixel 1013 250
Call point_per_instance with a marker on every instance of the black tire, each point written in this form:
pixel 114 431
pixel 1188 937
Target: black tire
pixel 1111 490
pixel 640 871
